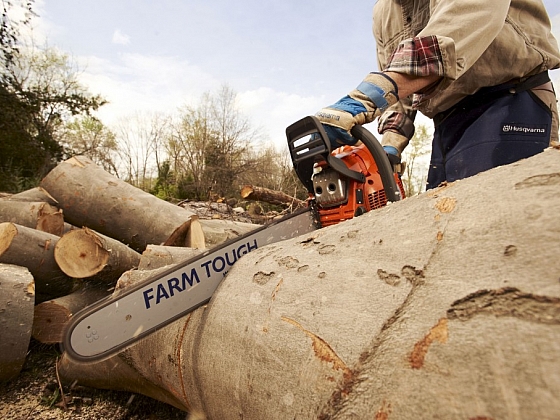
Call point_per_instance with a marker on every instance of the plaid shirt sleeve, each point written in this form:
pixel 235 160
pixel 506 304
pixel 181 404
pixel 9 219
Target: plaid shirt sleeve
pixel 419 56
pixel 397 121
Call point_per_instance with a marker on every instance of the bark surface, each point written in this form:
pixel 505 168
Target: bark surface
pixel 37 215
pixel 33 194
pixel 157 256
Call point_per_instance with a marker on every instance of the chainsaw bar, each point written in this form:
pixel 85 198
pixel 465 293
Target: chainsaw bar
pixel 113 324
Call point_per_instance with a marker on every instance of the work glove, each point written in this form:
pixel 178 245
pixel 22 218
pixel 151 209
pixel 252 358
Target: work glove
pixel 392 154
pixel 395 159
pixel 361 106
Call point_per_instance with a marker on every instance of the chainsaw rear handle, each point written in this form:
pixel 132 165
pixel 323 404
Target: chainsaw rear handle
pixel 308 143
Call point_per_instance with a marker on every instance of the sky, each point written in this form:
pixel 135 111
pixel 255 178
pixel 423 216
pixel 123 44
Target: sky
pixel 284 59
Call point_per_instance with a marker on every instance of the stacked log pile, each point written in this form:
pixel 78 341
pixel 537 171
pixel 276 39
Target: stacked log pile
pixel 65 244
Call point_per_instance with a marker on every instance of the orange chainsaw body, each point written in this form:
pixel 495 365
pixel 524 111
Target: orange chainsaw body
pixel 339 198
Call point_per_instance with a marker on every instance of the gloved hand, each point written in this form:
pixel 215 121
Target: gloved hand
pixel 392 154
pixel 375 94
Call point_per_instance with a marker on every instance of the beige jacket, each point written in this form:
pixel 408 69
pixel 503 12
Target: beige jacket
pixel 483 42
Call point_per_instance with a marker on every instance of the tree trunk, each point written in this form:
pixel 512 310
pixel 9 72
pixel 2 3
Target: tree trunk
pixel 92 197
pixel 278 198
pixel 444 305
pixel 84 253
pixel 157 256
pixel 217 231
pixel 51 317
pixel 16 318
pixel 31 248
pixel 37 194
pixel 36 215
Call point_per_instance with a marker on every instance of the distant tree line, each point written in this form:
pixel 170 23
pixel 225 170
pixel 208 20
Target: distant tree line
pixel 46 115
pixel 204 152
pixel 208 151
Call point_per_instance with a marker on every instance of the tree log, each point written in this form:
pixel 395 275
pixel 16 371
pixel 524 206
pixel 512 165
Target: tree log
pixel 217 231
pixel 16 318
pixel 277 198
pixel 189 235
pixel 37 194
pixel 443 305
pixel 37 215
pixel 51 317
pixel 83 253
pixel 92 197
pixel 31 248
pixel 157 256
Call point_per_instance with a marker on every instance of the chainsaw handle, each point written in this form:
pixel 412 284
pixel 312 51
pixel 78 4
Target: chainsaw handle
pixel 379 155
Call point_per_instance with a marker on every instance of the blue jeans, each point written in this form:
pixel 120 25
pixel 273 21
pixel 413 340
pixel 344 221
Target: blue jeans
pixel 486 131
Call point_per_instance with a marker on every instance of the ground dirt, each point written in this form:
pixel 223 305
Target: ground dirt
pixel 36 394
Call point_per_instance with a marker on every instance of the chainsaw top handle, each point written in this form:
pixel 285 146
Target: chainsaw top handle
pixel 308 143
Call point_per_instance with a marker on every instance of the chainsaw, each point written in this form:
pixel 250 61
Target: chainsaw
pixel 342 183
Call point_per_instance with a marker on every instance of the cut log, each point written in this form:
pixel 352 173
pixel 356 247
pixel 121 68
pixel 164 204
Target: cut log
pixel 445 304
pixel 51 317
pixel 83 253
pixel 189 234
pixel 217 231
pixel 31 248
pixel 91 197
pixel 157 256
pixel 277 198
pixel 37 194
pixel 37 215
pixel 16 318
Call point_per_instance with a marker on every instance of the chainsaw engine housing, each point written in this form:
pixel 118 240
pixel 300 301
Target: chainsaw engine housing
pixel 342 182
pixel 341 198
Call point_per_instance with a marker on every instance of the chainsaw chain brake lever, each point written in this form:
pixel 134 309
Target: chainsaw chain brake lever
pixel 308 143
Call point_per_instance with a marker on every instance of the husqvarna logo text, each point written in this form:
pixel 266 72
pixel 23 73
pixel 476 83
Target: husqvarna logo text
pixel 523 129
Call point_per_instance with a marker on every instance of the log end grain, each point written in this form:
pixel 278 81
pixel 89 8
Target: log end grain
pixel 195 236
pixel 8 231
pixel 50 219
pixel 51 317
pixel 80 254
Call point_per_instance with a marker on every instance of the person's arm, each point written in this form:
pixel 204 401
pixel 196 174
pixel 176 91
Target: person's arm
pixel 407 84
pixel 376 93
pixel 396 125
